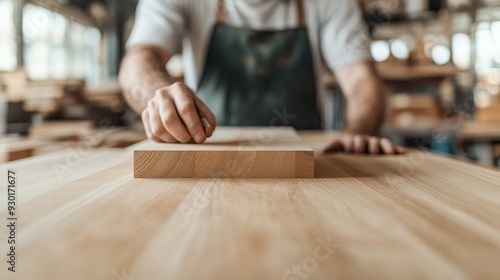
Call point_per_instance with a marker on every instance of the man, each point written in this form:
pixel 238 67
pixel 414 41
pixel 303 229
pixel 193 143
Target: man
pixel 252 63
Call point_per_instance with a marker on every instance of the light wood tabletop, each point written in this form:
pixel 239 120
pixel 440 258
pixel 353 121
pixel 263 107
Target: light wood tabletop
pixel 82 215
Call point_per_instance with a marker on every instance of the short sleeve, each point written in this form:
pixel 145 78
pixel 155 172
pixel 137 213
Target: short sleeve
pixel 160 23
pixel 343 33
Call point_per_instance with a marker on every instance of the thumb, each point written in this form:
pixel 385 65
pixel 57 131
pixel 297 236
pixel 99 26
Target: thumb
pixel 335 147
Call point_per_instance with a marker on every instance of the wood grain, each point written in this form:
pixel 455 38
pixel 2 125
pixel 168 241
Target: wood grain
pixel 229 153
pixel 418 216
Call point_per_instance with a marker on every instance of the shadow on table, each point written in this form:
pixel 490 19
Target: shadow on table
pixel 342 166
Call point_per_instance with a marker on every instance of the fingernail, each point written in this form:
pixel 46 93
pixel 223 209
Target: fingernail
pixel 199 137
pixel 207 126
pixel 205 122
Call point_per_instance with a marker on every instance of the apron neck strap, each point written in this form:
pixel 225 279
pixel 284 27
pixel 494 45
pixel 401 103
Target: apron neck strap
pixel 301 14
pixel 221 12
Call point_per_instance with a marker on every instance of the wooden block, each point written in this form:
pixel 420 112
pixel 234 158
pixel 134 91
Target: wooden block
pixel 229 153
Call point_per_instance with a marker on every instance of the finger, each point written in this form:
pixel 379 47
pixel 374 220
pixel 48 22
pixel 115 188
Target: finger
pixel 205 112
pixel 187 111
pixel 359 144
pixel 335 147
pixel 167 138
pixel 374 145
pixel 387 146
pixel 348 144
pixel 158 129
pixel 145 122
pixel 172 123
pixel 147 127
pixel 208 127
pixel 400 150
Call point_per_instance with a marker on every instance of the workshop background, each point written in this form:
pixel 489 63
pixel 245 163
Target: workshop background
pixel 59 62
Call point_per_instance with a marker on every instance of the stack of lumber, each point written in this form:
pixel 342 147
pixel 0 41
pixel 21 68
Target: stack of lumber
pixel 44 95
pixel 50 96
pixel 105 95
pixel 18 148
pixel 409 110
pixel 51 130
pixel 43 99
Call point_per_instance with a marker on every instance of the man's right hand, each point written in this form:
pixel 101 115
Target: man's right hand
pixel 174 115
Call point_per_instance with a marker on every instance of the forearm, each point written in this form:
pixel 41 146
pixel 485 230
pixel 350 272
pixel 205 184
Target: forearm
pixel 366 107
pixel 141 74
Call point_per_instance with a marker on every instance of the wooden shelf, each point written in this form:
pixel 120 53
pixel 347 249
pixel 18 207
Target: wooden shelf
pixel 417 130
pixel 399 73
pixel 479 131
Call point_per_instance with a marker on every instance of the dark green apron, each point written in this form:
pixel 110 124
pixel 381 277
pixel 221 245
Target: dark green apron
pixel 260 78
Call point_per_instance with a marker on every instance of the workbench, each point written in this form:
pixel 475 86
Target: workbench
pixel 417 216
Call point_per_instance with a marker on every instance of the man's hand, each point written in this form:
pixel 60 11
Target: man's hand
pixel 175 115
pixel 171 113
pixel 363 144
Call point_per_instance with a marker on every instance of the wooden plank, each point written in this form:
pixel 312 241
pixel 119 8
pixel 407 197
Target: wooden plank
pixel 229 153
pixel 417 216
pixel 18 148
pixel 60 129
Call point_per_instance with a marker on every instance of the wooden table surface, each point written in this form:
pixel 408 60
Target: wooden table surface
pixel 82 215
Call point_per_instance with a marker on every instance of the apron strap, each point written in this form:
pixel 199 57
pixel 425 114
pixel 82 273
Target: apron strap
pixel 221 12
pixel 301 14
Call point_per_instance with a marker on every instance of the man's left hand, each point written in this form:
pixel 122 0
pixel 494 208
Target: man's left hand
pixel 363 144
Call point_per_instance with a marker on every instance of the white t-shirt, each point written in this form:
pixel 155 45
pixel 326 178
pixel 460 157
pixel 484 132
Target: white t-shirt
pixel 336 30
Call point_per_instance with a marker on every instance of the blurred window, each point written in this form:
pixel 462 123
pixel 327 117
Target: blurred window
pixel 56 47
pixel 462 50
pixel 487 64
pixel 8 53
pixel 488 44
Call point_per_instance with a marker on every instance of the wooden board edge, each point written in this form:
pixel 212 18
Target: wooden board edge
pixel 302 167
